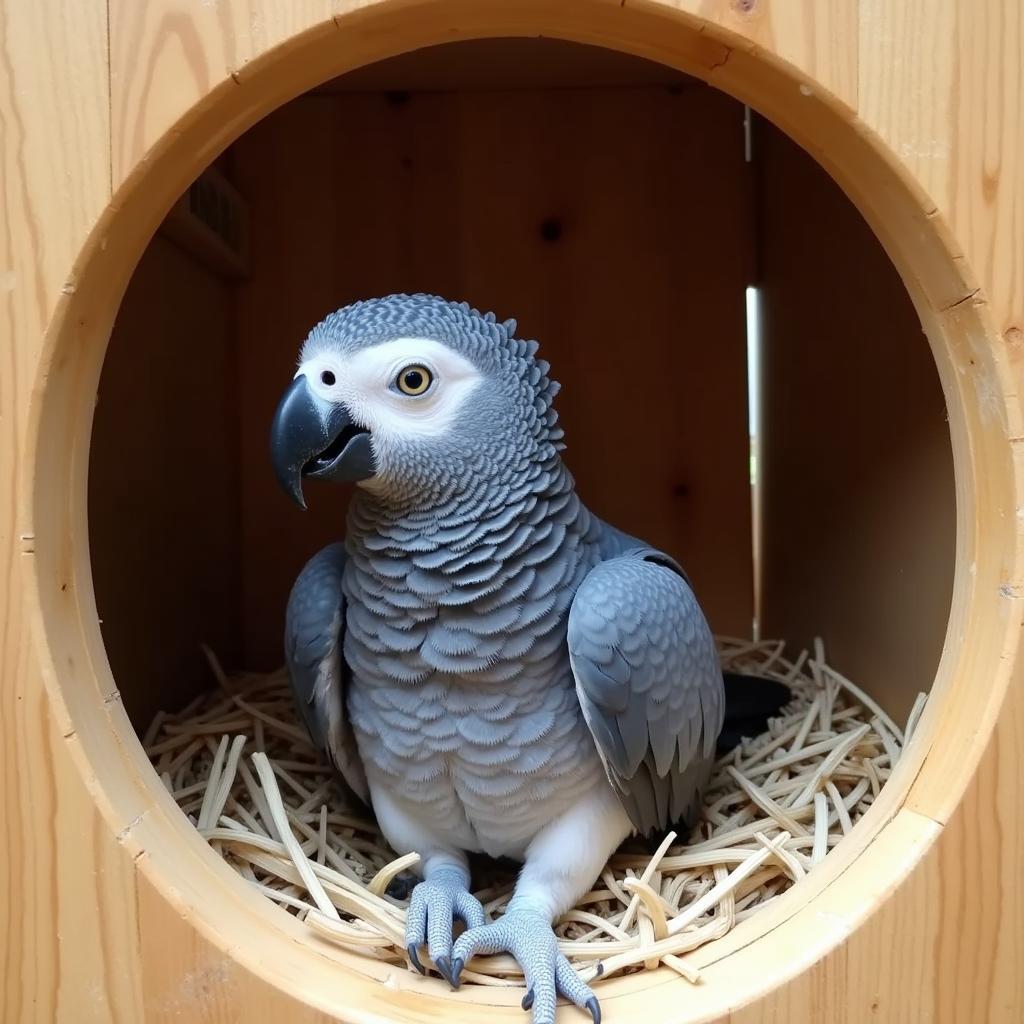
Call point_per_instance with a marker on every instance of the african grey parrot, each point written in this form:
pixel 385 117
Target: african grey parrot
pixel 487 663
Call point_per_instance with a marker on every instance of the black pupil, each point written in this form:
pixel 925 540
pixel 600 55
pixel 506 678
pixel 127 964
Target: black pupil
pixel 327 377
pixel 413 380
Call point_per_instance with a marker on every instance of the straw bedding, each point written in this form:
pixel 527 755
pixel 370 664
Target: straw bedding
pixel 240 765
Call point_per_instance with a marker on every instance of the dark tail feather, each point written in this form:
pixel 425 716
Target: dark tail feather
pixel 749 702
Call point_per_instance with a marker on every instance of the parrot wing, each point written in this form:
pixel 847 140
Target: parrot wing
pixel 649 682
pixel 314 629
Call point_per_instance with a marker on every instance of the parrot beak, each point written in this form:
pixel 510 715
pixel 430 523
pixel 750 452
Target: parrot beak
pixel 310 437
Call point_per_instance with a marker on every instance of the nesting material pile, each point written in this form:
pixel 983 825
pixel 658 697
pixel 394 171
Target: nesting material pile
pixel 241 767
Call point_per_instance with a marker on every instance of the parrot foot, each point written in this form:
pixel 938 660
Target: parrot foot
pixel 529 938
pixel 434 904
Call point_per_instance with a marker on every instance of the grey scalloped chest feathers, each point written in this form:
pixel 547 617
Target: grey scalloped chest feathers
pixel 462 694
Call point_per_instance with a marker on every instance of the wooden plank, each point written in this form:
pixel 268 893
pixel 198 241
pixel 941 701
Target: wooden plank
pixel 566 209
pixel 163 486
pixel 167 55
pixel 815 37
pixel 855 456
pixel 965 144
pixel 977 879
pixel 68 877
pixel 91 893
pixel 54 165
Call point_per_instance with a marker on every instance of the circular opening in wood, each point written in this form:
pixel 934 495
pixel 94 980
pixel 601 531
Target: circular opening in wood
pixel 852 443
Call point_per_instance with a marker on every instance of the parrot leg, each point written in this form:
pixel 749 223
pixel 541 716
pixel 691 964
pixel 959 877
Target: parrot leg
pixel 442 896
pixel 562 862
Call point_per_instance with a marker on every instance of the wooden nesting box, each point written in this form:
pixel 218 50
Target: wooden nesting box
pixel 621 208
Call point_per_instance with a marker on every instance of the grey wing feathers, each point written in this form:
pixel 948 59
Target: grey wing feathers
pixel 314 628
pixel 649 682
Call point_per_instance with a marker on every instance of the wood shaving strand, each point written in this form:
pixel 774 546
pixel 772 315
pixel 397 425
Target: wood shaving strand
pixel 383 878
pixel 914 718
pixel 272 795
pixel 820 847
pixel 649 870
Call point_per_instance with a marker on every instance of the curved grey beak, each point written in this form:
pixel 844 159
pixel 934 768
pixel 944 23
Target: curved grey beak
pixel 311 438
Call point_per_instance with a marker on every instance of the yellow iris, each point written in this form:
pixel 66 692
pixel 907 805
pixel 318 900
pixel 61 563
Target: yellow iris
pixel 414 380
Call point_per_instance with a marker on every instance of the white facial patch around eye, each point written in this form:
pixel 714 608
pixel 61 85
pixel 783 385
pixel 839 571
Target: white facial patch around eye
pixel 365 382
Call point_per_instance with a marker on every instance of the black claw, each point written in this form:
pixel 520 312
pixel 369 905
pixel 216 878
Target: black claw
pixel 528 1000
pixel 455 974
pixel 414 957
pixel 444 968
pixel 600 969
pixel 595 1009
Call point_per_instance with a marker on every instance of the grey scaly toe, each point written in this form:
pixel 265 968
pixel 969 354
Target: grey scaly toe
pixel 529 938
pixel 434 905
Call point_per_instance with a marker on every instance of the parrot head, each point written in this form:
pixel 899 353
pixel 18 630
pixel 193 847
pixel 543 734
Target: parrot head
pixel 414 398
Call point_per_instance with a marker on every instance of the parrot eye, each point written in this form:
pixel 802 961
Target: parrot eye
pixel 414 380
pixel 327 378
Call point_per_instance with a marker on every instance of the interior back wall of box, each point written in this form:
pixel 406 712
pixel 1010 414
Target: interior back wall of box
pixel 608 205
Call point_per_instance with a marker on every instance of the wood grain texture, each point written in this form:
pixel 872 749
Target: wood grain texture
pixel 814 37
pixel 965 144
pixel 938 84
pixel 164 454
pixel 167 55
pixel 53 72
